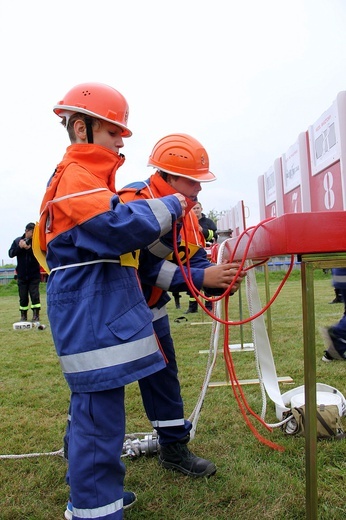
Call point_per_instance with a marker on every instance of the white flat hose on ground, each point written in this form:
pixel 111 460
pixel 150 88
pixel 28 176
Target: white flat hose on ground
pixel 263 349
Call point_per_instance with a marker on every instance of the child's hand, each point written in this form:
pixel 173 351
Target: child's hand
pixel 221 276
pixel 182 201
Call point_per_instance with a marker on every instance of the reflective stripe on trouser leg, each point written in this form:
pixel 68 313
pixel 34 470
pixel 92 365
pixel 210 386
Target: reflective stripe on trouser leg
pixel 96 472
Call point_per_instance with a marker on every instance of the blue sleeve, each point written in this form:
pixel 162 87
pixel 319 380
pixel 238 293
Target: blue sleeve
pixel 127 227
pixel 165 274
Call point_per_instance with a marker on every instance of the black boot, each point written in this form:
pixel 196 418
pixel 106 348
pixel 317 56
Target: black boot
pixel 36 315
pixel 177 300
pixel 23 315
pixel 338 297
pixel 193 307
pixel 209 305
pixel 178 457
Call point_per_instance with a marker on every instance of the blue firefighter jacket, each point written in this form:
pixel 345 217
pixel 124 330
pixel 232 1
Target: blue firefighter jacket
pixel 101 324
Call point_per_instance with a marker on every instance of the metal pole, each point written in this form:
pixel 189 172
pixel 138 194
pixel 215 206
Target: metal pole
pixel 307 273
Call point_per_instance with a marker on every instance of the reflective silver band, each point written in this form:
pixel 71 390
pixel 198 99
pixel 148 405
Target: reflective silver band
pixel 85 263
pixel 109 356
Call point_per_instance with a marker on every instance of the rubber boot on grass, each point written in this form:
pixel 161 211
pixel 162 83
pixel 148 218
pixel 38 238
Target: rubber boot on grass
pixel 209 305
pixel 35 315
pixel 193 306
pixel 338 297
pixel 177 300
pixel 178 457
pixel 23 315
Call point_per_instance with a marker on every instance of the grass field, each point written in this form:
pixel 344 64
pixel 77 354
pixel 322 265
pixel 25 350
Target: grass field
pixel 252 480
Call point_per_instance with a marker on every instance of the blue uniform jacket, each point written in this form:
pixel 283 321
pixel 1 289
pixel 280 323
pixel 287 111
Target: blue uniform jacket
pixel 101 324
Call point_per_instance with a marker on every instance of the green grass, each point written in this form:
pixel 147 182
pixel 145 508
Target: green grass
pixel 252 480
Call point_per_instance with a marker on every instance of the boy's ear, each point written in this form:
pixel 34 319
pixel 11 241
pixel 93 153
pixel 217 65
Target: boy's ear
pixel 80 129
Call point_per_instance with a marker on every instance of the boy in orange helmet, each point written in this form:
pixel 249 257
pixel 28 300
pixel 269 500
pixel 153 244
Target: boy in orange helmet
pixel 182 165
pixel 101 325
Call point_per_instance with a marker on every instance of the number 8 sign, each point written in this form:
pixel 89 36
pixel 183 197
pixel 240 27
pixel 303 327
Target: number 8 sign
pixel 327 140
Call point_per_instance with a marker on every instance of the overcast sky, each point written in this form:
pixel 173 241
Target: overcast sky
pixel 243 77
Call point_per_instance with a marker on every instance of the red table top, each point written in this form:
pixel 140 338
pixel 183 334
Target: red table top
pixel 295 233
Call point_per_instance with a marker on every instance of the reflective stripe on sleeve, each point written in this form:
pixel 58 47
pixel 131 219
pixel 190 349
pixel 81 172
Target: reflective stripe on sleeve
pixel 162 214
pixel 159 313
pixel 166 275
pixel 160 250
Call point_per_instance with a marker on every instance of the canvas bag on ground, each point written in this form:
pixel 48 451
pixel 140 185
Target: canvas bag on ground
pixel 328 422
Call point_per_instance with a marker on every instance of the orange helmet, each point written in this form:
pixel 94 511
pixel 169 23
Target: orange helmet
pixel 96 100
pixel 183 156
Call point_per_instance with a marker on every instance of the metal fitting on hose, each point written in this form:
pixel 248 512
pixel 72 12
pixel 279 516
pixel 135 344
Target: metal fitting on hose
pixel 136 447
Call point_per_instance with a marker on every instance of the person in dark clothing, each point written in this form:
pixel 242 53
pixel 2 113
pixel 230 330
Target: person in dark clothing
pixel 28 274
pixel 338 296
pixel 209 230
pixel 334 336
pixel 207 225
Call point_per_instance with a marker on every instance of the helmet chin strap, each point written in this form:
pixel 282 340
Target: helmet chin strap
pixel 89 130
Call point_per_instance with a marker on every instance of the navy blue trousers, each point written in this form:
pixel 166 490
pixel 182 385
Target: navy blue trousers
pixel 96 472
pixel 161 393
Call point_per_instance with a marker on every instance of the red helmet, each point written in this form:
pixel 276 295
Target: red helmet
pixel 96 100
pixel 183 156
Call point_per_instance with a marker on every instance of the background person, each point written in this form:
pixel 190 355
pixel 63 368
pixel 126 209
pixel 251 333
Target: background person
pixel 207 225
pixel 338 296
pixel 208 229
pixel 191 233
pixel 28 274
pixel 335 335
pixel 337 293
